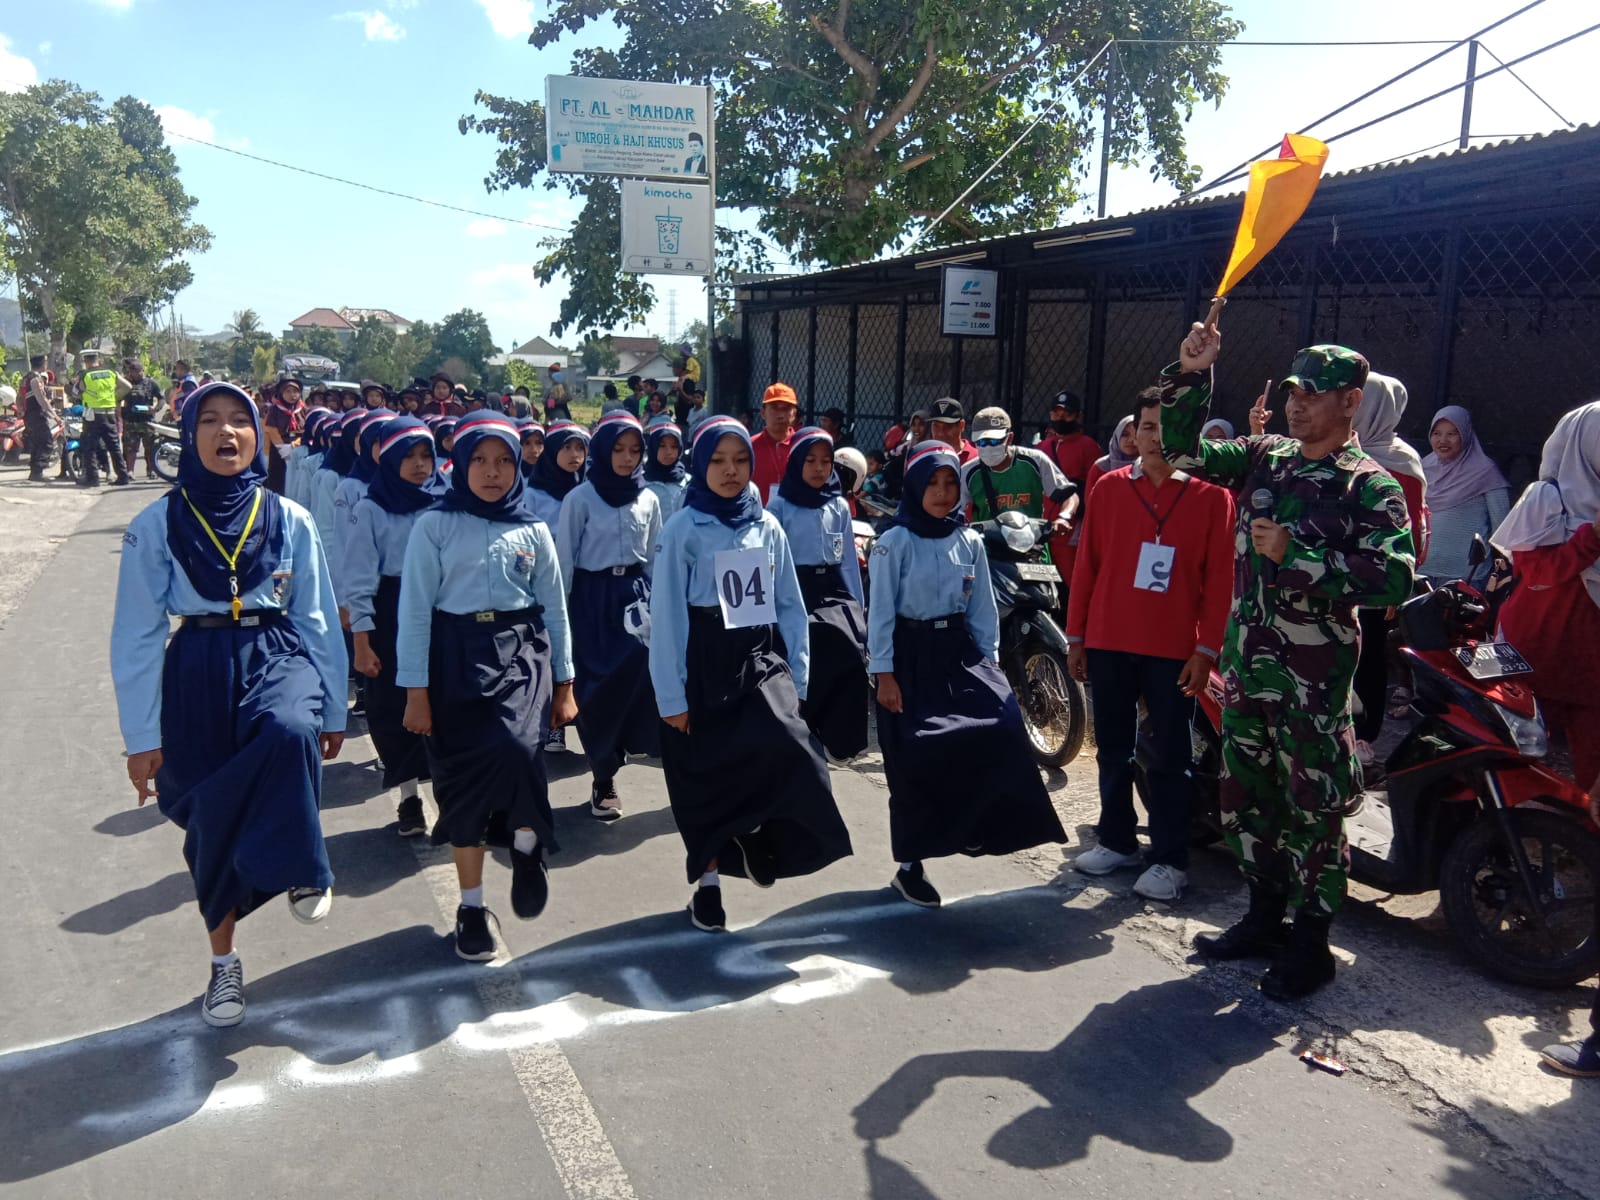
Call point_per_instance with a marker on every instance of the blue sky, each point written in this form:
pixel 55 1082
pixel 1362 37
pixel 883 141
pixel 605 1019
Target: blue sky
pixel 374 95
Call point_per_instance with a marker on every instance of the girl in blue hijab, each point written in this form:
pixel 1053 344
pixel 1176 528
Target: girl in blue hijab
pixel 730 662
pixel 227 725
pixel 665 466
pixel 961 777
pixel 484 656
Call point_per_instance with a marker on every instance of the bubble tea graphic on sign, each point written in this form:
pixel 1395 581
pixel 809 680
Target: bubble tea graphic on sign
pixel 668 230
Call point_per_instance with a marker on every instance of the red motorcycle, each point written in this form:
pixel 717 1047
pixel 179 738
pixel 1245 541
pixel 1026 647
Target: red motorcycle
pixel 1465 803
pixel 13 432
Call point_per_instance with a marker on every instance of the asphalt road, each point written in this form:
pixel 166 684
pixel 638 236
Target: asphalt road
pixel 1032 1038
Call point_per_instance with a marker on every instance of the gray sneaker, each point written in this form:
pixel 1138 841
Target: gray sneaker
pixel 223 1003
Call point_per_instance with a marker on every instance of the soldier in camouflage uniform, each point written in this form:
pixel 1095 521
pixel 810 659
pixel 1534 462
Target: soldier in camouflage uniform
pixel 1322 529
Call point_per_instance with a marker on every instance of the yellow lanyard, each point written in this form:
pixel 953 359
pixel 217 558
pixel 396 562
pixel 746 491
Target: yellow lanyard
pixel 231 559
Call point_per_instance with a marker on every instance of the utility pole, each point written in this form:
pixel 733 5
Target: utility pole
pixel 1466 95
pixel 1105 131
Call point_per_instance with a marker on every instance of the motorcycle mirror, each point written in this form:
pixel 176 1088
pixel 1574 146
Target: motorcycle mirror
pixel 1012 519
pixel 1479 554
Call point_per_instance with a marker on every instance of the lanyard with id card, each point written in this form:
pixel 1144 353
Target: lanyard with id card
pixel 745 588
pixel 1156 561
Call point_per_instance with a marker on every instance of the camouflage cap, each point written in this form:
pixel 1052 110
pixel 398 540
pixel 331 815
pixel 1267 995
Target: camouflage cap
pixel 1326 369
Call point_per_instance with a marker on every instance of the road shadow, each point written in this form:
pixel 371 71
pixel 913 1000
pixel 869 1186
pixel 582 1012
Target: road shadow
pixel 346 784
pixel 1163 1045
pixel 127 822
pixel 582 837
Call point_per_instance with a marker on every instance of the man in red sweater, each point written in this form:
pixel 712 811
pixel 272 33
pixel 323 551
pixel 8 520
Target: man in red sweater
pixel 1151 589
pixel 780 409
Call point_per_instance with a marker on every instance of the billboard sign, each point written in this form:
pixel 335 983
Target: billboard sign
pixel 969 303
pixel 666 228
pixel 618 127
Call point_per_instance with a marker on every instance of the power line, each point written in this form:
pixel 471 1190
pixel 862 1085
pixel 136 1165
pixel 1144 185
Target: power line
pixel 1222 42
pixel 368 187
pixel 1528 86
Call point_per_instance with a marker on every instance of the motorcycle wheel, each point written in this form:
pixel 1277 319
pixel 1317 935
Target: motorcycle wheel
pixel 1488 911
pixel 1055 711
pixel 74 465
pixel 166 460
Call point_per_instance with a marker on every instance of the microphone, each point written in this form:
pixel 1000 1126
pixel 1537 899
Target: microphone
pixel 1261 502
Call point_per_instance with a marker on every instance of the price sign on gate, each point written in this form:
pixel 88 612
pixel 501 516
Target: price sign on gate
pixel 745 588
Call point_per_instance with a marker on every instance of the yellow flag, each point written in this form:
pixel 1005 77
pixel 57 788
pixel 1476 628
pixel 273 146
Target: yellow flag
pixel 1280 189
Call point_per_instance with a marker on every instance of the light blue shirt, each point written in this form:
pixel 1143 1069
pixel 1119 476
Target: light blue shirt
pixel 323 486
pixel 669 496
pixel 922 578
pixel 377 547
pixel 345 498
pixel 821 537
pixel 294 475
pixel 685 575
pixel 151 585
pixel 593 536
pixel 462 564
pixel 546 507
pixel 1450 533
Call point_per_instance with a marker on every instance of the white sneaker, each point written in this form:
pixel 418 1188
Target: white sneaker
pixel 223 1003
pixel 1099 860
pixel 310 905
pixel 556 743
pixel 1365 754
pixel 1161 882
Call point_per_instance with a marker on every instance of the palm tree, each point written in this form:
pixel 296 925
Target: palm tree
pixel 245 322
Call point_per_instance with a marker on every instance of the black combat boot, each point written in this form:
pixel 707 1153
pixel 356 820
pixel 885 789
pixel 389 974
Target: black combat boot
pixel 1305 964
pixel 1261 932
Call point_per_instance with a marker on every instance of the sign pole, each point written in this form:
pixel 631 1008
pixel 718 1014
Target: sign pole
pixel 708 372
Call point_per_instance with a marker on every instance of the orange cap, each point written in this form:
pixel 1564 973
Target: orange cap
pixel 780 393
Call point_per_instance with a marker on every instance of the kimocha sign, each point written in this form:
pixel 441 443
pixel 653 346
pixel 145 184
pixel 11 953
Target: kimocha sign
pixel 969 302
pixel 619 127
pixel 666 228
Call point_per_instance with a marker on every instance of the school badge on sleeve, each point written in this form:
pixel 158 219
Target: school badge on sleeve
pixel 282 587
pixel 524 563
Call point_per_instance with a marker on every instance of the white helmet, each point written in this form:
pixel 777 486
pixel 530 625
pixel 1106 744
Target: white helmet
pixel 852 467
pixel 8 395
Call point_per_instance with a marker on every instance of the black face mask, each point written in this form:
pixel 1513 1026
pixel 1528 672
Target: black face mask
pixel 1066 427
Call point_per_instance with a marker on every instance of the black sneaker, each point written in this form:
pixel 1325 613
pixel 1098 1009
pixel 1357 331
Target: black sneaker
pixel 1580 1059
pixel 604 803
pixel 223 1003
pixel 474 942
pixel 705 910
pixel 914 886
pixel 123 482
pixel 411 821
pixel 530 883
pixel 760 868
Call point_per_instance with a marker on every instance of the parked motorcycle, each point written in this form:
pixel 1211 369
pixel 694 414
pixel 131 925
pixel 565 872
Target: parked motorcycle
pixel 1033 646
pixel 12 431
pixel 1465 804
pixel 169 448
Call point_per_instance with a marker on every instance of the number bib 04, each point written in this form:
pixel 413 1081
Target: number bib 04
pixel 744 588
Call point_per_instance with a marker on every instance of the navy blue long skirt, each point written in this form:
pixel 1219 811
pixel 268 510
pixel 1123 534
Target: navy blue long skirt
pixel 748 760
pixel 836 698
pixel 403 753
pixel 489 686
pixel 962 779
pixel 611 671
pixel 241 773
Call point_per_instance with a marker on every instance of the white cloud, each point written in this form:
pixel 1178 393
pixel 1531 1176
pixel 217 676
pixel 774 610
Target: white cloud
pixel 379 26
pixel 485 227
pixel 510 18
pixel 16 72
pixel 183 123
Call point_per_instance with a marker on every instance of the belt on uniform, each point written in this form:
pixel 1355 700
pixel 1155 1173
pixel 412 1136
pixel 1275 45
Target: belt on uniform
pixel 819 569
pixel 250 618
pixel 706 608
pixel 630 570
pixel 490 616
pixel 954 619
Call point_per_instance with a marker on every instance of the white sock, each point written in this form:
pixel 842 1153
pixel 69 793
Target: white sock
pixel 910 866
pixel 408 789
pixel 222 960
pixel 711 879
pixel 472 897
pixel 524 840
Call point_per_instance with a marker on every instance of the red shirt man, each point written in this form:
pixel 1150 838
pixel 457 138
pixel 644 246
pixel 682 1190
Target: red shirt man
pixel 1073 450
pixel 1151 589
pixel 780 408
pixel 947 423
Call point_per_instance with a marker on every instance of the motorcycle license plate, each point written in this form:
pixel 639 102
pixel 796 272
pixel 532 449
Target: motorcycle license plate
pixel 1038 573
pixel 1493 660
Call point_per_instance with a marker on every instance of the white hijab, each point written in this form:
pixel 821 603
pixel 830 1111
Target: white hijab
pixel 1383 403
pixel 1566 496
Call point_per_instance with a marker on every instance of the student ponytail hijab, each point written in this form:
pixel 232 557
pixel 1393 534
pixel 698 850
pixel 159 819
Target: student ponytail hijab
pixel 793 486
pixel 738 511
pixel 342 442
pixel 389 491
pixel 312 438
pixel 654 472
pixel 618 491
pixel 225 504
pixel 510 509
pixel 548 477
pixel 926 458
pixel 368 430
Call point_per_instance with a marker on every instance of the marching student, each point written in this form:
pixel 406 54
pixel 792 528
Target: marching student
pixel 816 520
pixel 664 472
pixel 404 485
pixel 559 469
pixel 444 437
pixel 484 656
pixel 305 458
pixel 728 656
pixel 336 460
pixel 605 539
pixel 363 467
pixel 531 434
pixel 227 724
pixel 961 777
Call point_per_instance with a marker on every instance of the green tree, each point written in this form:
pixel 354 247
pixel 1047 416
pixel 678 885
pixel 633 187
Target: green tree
pixel 371 352
pixel 599 355
pixel 845 127
pixel 95 219
pixel 521 374
pixel 461 343
pixel 263 363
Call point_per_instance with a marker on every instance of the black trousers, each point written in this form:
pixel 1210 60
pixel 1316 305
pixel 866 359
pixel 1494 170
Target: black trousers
pixel 102 433
pixel 40 443
pixel 1118 681
pixel 1372 673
